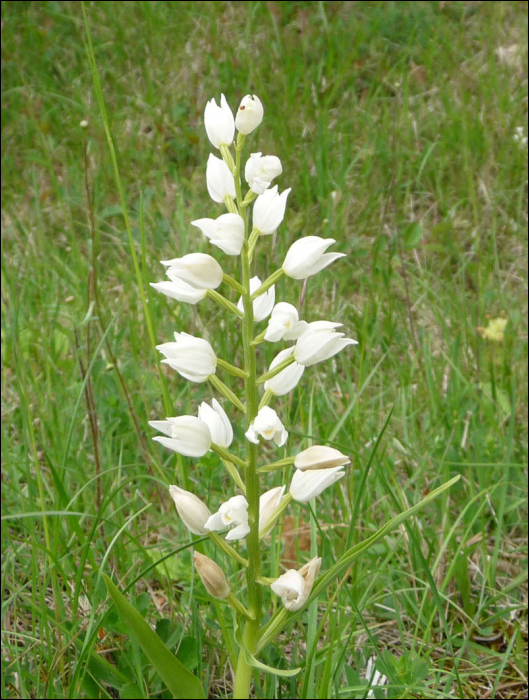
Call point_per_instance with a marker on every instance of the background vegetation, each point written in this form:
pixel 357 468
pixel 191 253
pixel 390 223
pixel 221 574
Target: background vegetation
pixel 395 123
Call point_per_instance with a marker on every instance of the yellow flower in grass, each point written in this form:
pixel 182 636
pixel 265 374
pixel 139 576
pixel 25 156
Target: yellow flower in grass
pixel 495 330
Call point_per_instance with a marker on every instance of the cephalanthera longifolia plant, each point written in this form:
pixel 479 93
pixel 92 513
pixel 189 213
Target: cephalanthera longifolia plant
pixel 250 512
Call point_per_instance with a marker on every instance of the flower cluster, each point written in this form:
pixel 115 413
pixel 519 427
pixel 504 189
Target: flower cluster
pixel 194 277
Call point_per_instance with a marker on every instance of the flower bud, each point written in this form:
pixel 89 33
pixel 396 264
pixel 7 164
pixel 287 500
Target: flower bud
pixel 268 425
pixel 212 576
pixel 179 290
pixel 320 342
pixel 197 269
pixel 219 180
pixel 306 485
pixel 249 115
pixel 269 210
pixel 233 513
pixel 218 423
pixel 187 435
pixel 191 357
pixel 263 305
pixel 261 170
pixel 226 232
pixel 219 123
pixel 307 256
pixel 287 379
pixel 284 323
pixel 193 512
pixel 294 587
pixel 268 503
pixel 320 457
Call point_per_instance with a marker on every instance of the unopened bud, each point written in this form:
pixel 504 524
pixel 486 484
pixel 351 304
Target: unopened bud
pixel 212 576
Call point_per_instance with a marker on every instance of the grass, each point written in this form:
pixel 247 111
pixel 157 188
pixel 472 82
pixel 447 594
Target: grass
pixel 395 123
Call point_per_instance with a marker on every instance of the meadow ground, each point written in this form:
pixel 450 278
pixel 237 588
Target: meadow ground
pixel 396 125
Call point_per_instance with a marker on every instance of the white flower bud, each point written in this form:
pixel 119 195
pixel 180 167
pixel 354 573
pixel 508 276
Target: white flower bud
pixel 187 435
pixel 249 115
pixel 260 171
pixel 287 379
pixel 193 512
pixel 197 269
pixel 191 357
pixel 219 123
pixel 219 180
pixel 320 342
pixel 294 587
pixel 226 232
pixel 233 513
pixel 268 425
pixel 284 324
pixel 269 210
pixel 263 305
pixel 180 290
pixel 218 423
pixel 306 485
pixel 320 457
pixel 268 503
pixel 307 256
pixel 211 576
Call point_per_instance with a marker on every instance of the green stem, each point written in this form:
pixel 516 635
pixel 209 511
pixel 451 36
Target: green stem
pixel 232 283
pixel 274 466
pixel 222 544
pixel 243 676
pixel 225 303
pixel 238 607
pixel 226 392
pixel 223 453
pixel 231 369
pixel 274 277
pixel 230 205
pixel 259 338
pixel 280 367
pixel 232 471
pixel 267 397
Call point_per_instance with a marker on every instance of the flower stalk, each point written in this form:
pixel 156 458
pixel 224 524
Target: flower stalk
pixel 251 629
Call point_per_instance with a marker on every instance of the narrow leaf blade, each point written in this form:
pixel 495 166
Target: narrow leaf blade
pixel 180 682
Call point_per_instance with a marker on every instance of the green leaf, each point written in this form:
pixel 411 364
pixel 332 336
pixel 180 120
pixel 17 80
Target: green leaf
pixel 131 691
pixel 252 661
pixel 412 235
pixel 280 620
pixel 180 682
